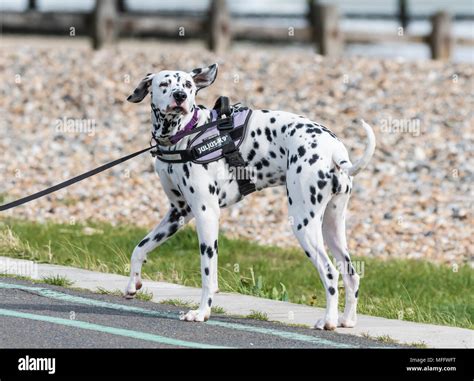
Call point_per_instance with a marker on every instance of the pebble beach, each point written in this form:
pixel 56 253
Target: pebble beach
pixel 64 111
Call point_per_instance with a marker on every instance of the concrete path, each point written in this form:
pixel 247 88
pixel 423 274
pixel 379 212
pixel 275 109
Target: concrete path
pixel 434 336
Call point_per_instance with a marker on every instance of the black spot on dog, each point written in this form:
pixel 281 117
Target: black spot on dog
pixel 203 247
pixel 298 170
pixel 321 184
pixel 251 155
pixel 215 245
pixel 203 208
pixel 321 174
pixel 173 229
pixel 305 222
pixel 191 189
pixel 186 171
pixel 331 290
pixel 357 293
pixel 299 227
pixel 209 302
pixel 307 254
pixel 272 120
pixel 158 237
pixel 329 276
pixel 256 145
pixel 268 134
pixel 176 193
pixel 290 200
pixel 209 252
pixel 143 242
pixel 282 151
pixel 272 154
pixel 313 159
pixel 320 198
pixel 212 189
pixel 206 271
pixel 335 184
pixel 301 151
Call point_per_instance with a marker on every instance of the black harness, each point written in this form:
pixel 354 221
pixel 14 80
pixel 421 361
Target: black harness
pixel 215 140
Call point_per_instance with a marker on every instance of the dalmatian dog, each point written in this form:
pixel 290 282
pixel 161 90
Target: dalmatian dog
pixel 283 149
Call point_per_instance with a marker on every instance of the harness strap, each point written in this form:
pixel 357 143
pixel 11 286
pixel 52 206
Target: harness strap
pixel 231 153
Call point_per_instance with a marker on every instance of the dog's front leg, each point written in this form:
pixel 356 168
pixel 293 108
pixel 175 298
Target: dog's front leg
pixel 207 224
pixel 173 221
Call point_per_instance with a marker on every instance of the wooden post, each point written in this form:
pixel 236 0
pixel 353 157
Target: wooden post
pixel 326 32
pixel 121 7
pixel 403 13
pixel 219 26
pixel 104 23
pixel 440 39
pixel 32 5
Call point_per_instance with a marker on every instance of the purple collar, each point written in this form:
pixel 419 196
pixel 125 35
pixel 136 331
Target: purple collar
pixel 189 126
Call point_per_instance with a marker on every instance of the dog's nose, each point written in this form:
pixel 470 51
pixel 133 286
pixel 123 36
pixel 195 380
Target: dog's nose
pixel 179 96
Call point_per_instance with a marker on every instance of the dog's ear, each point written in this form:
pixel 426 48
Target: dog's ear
pixel 141 90
pixel 205 76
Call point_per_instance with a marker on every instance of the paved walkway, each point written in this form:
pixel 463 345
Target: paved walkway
pixel 433 336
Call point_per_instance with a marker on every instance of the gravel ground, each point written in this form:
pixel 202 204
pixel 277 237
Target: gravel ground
pixel 64 112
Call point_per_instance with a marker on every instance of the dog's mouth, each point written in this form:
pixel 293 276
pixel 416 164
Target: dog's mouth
pixel 176 109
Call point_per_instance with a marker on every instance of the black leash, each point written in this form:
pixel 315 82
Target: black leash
pixel 74 180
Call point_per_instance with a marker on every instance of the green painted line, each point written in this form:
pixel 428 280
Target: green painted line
pixel 241 327
pixel 106 329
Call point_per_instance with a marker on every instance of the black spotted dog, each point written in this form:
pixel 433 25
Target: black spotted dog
pixel 283 149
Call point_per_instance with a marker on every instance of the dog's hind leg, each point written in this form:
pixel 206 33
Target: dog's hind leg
pixel 306 207
pixel 174 219
pixel 334 232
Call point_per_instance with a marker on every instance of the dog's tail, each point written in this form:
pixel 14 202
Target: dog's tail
pixel 354 169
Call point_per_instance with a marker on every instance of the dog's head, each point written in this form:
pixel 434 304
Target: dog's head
pixel 173 92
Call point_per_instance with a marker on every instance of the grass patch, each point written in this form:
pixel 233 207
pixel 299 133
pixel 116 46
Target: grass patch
pixel 257 315
pixel 180 303
pixel 397 289
pixel 57 280
pixel 190 305
pixel 143 294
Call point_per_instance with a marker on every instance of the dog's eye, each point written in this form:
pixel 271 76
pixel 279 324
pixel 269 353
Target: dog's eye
pixel 164 84
pixel 188 84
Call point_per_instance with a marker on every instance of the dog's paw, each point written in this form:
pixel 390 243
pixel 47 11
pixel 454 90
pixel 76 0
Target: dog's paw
pixel 196 315
pixel 132 289
pixel 325 324
pixel 346 323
